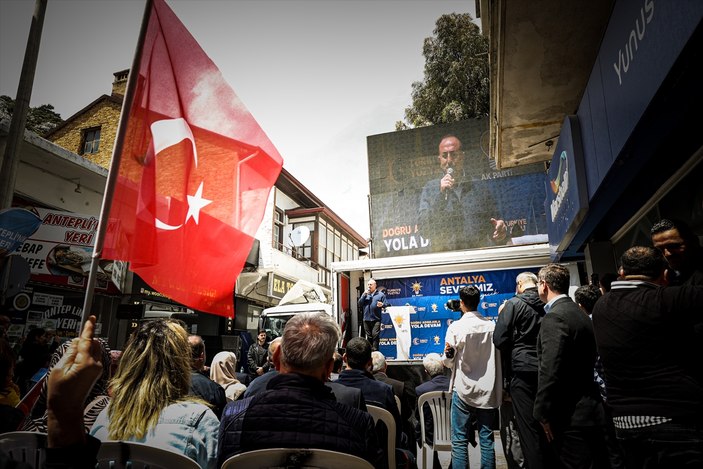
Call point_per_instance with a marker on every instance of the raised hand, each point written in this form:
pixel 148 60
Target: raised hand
pixel 70 382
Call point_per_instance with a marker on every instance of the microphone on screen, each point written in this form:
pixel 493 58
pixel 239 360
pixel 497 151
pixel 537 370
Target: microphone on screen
pixel 450 171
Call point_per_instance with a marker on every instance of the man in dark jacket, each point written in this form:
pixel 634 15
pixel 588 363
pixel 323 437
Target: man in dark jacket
pixel 404 393
pixel 200 384
pixel 257 357
pixel 349 396
pixel 567 403
pixel 653 374
pixel 371 303
pixel 357 375
pixel 515 335
pixel 298 410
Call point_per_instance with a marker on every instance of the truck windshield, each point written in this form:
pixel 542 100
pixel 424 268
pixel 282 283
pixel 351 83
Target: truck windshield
pixel 274 326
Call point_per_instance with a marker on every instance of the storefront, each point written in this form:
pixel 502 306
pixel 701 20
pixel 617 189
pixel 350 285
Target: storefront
pixel 56 259
pixel 638 134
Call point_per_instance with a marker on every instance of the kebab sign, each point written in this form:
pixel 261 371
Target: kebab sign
pixel 62 247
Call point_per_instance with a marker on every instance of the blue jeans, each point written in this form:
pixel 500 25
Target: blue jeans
pixel 662 446
pixel 462 414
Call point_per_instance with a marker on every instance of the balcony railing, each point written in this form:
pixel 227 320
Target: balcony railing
pixel 295 254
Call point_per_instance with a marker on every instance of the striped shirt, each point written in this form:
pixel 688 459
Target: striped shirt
pixel 638 421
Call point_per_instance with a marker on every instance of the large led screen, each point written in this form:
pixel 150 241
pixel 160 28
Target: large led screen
pixel 436 189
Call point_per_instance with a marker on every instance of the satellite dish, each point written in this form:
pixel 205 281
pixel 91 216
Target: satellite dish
pixel 299 235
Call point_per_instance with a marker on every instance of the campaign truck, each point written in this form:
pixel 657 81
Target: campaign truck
pixel 419 289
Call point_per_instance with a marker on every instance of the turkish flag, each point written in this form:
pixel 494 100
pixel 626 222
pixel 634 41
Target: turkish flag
pixel 194 175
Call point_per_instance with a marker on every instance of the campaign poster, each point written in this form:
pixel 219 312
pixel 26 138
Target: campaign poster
pixel 428 316
pixel 436 189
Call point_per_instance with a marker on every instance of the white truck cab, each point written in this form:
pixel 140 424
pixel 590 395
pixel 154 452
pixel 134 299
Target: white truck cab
pixel 303 297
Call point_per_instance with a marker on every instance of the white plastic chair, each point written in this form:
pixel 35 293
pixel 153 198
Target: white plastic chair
pixel 26 447
pixel 132 455
pixel 379 413
pixel 306 458
pixel 397 402
pixel 440 403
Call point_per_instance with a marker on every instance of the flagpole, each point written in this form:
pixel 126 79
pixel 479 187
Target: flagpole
pixel 15 136
pixel 114 165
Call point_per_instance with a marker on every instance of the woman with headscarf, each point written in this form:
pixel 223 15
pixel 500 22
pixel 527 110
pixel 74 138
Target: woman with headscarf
pixel 223 372
pixel 97 399
pixel 150 402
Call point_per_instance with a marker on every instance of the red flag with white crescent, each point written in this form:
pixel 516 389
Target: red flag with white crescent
pixel 195 173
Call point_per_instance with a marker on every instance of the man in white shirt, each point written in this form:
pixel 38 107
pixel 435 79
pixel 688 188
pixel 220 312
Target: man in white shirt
pixel 476 380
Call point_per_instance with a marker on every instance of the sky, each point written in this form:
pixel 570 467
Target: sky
pixel 318 75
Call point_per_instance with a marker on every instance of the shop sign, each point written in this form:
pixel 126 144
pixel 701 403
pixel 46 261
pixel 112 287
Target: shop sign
pixel 278 285
pixel 567 195
pixel 60 251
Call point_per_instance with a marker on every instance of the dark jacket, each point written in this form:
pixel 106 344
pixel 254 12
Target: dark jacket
pixel 367 305
pixel 259 383
pixel 438 383
pixel 566 393
pixel 650 355
pixel 375 393
pixel 344 395
pixel 403 392
pixel 209 391
pixel 350 396
pixel 297 411
pixel 517 328
pixel 257 357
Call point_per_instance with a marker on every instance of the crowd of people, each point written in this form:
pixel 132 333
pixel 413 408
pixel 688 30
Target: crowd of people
pixel 609 379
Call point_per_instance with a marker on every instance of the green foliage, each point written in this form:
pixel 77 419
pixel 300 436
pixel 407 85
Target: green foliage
pixel 456 84
pixel 40 119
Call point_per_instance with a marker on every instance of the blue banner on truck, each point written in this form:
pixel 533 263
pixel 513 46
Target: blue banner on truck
pixel 429 318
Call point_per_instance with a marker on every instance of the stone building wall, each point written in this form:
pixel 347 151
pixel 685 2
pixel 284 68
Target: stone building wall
pixel 106 115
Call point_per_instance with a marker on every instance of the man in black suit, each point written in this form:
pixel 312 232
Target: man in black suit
pixel 567 403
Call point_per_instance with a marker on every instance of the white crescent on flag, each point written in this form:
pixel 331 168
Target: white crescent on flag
pixel 169 132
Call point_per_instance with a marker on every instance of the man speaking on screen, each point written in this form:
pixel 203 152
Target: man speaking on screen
pixel 456 212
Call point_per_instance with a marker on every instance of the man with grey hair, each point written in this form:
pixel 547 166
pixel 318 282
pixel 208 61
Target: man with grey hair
pixel 304 361
pixel 379 368
pixel 432 362
pixel 400 389
pixel 515 335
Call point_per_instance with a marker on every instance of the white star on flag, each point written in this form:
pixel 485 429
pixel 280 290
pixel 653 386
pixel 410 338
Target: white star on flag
pixel 195 204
